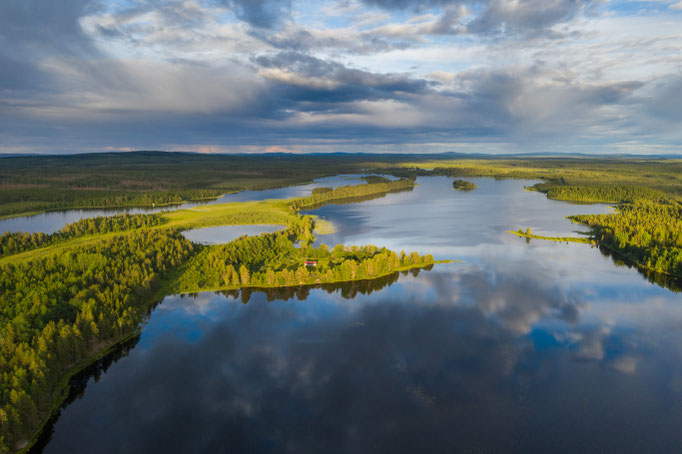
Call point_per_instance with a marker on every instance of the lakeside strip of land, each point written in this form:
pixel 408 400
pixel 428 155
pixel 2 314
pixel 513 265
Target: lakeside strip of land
pixel 560 239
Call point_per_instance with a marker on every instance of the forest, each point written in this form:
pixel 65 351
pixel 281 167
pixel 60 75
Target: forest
pixel 273 260
pixel 39 183
pixel 321 196
pixel 15 242
pixel 58 310
pixel 648 233
pixel 35 184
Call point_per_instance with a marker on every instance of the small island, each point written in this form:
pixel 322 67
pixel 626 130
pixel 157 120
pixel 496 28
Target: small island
pixel 464 185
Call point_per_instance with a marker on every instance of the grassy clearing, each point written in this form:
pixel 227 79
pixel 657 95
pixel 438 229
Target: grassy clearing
pixel 262 212
pixel 323 226
pixel 237 213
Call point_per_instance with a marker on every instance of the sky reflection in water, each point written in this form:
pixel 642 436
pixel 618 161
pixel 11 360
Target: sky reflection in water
pixel 536 347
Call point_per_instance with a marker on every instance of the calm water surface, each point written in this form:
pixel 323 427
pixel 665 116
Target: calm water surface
pixel 523 347
pixel 55 220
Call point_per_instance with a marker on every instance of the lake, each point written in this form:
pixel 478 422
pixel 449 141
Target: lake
pixel 520 347
pixel 52 221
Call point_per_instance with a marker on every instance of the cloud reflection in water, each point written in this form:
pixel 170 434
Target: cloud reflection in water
pixel 455 360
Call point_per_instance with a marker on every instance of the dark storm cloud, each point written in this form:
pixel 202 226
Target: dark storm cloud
pixel 666 102
pixel 268 80
pixel 47 25
pixel 32 30
pixel 260 13
pixel 332 82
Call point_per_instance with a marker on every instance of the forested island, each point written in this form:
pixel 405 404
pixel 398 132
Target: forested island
pixel 70 296
pixel 464 185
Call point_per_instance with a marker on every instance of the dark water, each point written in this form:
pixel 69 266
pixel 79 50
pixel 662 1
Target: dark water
pixel 55 220
pixel 537 347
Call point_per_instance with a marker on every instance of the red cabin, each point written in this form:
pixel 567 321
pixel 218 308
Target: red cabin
pixel 310 263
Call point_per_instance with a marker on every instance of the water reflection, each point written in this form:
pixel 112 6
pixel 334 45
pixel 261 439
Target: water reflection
pixel 460 359
pixel 78 384
pixel 434 216
pixel 523 347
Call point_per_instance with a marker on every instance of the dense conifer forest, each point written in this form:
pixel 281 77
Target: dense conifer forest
pixel 321 196
pixel 146 178
pixel 273 260
pixel 15 242
pixel 58 310
pixel 648 233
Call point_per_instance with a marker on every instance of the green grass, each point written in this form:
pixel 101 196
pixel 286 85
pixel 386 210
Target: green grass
pixel 561 239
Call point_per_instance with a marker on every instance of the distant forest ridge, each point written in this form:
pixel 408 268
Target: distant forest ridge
pixel 447 154
pixel 34 184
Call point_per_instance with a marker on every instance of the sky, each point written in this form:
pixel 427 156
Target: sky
pixel 300 76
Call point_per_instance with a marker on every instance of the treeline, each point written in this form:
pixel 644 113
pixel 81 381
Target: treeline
pixel 646 232
pixel 30 184
pixel 603 194
pixel 347 192
pixel 15 242
pixel 57 310
pixel 273 260
pixel 32 199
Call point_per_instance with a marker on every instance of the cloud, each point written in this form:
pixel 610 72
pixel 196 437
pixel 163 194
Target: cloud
pixel 306 79
pixel 83 75
pixel 260 13
pixel 666 102
pixel 33 30
pixel 394 371
pixel 493 16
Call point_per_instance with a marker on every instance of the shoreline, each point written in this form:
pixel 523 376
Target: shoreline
pixel 397 270
pixel 568 239
pixel 62 390
pixel 63 386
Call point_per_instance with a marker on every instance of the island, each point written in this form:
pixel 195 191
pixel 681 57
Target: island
pixel 464 185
